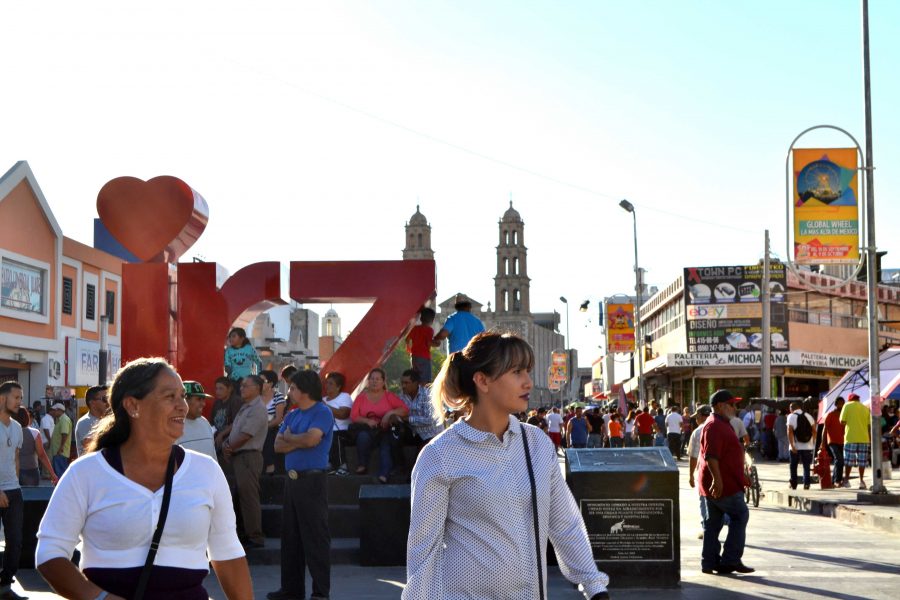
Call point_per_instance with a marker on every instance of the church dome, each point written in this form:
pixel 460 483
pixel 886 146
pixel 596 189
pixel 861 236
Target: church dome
pixel 511 214
pixel 418 218
pixel 331 314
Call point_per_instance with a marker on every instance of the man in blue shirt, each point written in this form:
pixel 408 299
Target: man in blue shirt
pixel 461 327
pixel 305 438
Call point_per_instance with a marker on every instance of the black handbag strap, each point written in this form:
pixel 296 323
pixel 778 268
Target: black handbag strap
pixel 160 525
pixel 534 512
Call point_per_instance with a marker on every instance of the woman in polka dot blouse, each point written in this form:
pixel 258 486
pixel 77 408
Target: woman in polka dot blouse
pixel 472 531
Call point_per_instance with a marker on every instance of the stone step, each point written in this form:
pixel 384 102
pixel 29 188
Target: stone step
pixel 341 489
pixel 344 551
pixel 343 520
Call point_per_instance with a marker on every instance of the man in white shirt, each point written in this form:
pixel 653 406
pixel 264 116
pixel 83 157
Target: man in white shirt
pixel 340 404
pixel 198 433
pixel 802 441
pixel 554 426
pixel 11 501
pixel 673 431
pixel 97 407
pixel 47 425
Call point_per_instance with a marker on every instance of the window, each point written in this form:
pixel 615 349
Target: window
pixel 67 295
pixel 90 303
pixel 516 266
pixel 517 302
pixel 420 240
pixel 22 287
pixel 111 306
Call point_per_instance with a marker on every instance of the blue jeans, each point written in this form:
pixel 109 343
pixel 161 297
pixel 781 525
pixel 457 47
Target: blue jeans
pixel 804 456
pixel 13 517
pixel 60 464
pixel 364 441
pixel 837 455
pixel 713 512
pixel 616 442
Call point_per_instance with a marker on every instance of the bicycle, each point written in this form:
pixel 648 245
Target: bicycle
pixel 753 490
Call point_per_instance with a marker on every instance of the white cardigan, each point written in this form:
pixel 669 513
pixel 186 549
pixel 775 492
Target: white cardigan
pixel 115 518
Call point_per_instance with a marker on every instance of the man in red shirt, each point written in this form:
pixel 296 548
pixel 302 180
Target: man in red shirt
pixel 722 483
pixel 834 437
pixel 418 344
pixel 644 424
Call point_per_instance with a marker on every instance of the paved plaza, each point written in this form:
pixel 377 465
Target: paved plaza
pixel 796 555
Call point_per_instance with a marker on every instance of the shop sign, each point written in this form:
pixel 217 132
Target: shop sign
pixel 743 359
pixel 83 362
pixel 801 371
pixel 723 309
pixel 22 287
pixel 826 211
pixel 619 328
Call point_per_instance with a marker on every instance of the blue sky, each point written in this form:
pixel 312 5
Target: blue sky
pixel 313 129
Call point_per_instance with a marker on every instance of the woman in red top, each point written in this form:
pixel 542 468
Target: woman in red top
pixel 615 432
pixel 372 415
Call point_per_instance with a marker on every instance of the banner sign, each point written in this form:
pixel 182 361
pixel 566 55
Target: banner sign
pixel 619 328
pixel 559 368
pixel 826 213
pixel 83 360
pixel 723 311
pixel 22 287
pixel 752 359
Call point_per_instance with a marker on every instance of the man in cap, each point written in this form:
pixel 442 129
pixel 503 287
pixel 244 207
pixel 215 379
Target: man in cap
pixel 198 433
pixel 722 483
pixel 61 439
pixel 98 406
pixel 12 505
pixel 461 327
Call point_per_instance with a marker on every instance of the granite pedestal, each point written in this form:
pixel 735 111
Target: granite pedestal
pixel 628 498
pixel 384 524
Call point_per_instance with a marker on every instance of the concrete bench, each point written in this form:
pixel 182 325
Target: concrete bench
pixel 384 524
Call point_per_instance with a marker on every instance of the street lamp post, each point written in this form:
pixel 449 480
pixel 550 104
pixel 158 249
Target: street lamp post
pixel 639 337
pixel 568 351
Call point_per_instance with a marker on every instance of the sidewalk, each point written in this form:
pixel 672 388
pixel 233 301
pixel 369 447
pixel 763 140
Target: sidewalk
pixel 840 503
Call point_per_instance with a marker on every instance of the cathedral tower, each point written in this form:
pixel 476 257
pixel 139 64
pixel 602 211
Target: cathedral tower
pixel 511 283
pixel 418 238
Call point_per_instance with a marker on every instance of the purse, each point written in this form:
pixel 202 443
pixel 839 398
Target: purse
pixel 534 512
pixel 157 535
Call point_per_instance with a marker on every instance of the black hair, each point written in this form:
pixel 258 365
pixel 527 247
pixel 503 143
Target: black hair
pixel 413 375
pixel 93 391
pixel 23 417
pixel 7 386
pixel 241 332
pixel 226 381
pixel 270 376
pixel 490 352
pixel 338 378
pixel 427 315
pixel 136 380
pixel 288 372
pixel 309 383
pixel 256 379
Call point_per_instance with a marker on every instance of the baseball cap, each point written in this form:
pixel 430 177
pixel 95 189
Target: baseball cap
pixel 853 397
pixel 703 409
pixel 720 396
pixel 193 388
pixel 58 406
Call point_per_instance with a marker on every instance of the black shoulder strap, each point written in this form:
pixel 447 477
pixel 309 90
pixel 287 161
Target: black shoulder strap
pixel 534 512
pixel 160 525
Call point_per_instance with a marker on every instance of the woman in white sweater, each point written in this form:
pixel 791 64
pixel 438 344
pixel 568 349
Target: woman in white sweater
pixel 110 499
pixel 487 493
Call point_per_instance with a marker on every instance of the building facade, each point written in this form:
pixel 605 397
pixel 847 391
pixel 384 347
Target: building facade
pixel 58 295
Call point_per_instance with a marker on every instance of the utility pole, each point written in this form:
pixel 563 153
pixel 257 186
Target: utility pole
pixel 871 270
pixel 765 375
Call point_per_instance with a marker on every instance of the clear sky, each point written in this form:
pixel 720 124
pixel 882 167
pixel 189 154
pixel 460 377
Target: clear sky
pixel 314 128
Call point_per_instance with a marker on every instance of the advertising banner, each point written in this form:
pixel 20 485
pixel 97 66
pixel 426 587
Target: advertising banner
pixel 752 359
pixel 826 212
pixel 559 368
pixel 619 328
pixel 84 362
pixel 22 287
pixel 723 311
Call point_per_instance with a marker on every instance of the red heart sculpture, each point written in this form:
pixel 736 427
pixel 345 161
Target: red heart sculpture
pixel 156 220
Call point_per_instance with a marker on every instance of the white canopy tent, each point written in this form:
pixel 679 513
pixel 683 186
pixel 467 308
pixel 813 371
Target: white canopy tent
pixel 857 381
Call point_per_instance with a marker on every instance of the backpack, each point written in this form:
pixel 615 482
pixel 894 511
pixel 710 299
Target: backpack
pixel 803 432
